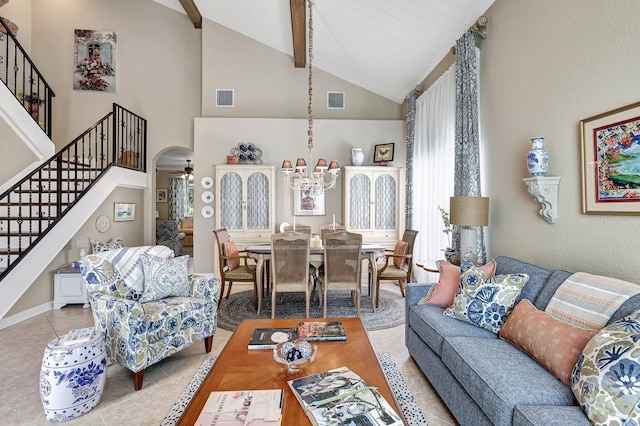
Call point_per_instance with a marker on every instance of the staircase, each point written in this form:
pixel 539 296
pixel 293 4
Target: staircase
pixel 42 210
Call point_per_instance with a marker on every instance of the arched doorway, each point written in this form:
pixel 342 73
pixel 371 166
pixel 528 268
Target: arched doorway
pixel 174 187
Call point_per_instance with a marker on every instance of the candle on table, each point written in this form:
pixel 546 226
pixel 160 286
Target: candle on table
pixel 294 224
pixel 334 222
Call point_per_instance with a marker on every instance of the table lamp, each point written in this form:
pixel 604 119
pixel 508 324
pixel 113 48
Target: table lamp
pixel 468 212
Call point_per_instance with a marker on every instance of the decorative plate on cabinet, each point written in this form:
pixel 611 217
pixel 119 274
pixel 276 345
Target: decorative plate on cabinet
pixel 207 212
pixel 102 223
pixel 206 182
pixel 207 197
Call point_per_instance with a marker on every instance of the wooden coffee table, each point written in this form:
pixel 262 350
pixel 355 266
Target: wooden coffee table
pixel 238 368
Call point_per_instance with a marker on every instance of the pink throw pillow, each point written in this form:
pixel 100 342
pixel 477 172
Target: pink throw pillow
pixel 554 344
pixel 230 250
pixel 400 249
pixel 445 290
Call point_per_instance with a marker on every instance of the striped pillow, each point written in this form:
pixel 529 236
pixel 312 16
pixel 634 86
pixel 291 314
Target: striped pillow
pixel 589 301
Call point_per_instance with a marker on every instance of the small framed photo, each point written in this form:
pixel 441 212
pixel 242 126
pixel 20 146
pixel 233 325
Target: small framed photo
pixel 308 204
pixel 161 195
pixel 383 153
pixel 610 158
pixel 124 212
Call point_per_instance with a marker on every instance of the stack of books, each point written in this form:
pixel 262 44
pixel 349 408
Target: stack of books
pixel 268 338
pixel 239 408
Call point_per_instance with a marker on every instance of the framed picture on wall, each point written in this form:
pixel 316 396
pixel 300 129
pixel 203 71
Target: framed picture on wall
pixel 611 162
pixel 124 212
pixel 161 195
pixel 383 153
pixel 305 203
pixel 95 56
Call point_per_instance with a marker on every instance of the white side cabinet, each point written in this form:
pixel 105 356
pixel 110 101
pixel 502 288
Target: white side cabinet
pixel 373 196
pixel 68 287
pixel 245 197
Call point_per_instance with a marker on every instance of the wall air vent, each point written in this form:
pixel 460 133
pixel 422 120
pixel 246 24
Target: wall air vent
pixel 224 98
pixel 335 100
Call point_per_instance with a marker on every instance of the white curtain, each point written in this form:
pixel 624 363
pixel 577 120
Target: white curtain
pixel 433 168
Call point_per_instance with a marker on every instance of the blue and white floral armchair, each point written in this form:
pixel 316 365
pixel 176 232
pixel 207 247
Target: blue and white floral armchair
pixel 139 333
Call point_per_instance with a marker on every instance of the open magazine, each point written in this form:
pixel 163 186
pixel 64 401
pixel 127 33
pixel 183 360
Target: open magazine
pixel 341 397
pixel 242 408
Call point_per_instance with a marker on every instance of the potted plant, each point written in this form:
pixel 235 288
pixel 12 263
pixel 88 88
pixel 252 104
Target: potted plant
pixel 32 101
pixel 450 254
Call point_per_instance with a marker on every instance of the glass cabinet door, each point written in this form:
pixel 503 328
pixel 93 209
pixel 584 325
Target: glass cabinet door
pixel 231 198
pixel 385 206
pixel 360 206
pixel 258 199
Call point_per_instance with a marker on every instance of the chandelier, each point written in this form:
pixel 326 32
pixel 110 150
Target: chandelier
pixel 188 171
pixel 318 179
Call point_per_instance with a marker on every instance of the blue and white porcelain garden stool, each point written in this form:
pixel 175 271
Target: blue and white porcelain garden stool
pixel 72 377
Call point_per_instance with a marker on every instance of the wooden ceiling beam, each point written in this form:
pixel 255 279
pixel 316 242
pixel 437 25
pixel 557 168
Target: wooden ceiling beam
pixel 193 13
pixel 299 31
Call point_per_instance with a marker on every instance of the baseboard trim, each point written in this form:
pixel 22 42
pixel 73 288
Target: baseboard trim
pixel 25 315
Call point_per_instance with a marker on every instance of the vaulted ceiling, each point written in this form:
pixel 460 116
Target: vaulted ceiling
pixel 385 46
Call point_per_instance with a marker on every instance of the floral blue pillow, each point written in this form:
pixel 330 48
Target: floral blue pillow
pixel 606 378
pixel 164 277
pixel 482 301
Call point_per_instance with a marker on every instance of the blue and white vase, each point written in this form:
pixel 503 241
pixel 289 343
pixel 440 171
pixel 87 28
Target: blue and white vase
pixel 537 158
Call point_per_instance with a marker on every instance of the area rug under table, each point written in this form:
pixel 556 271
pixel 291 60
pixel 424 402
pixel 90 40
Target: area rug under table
pixel 239 306
pixel 398 385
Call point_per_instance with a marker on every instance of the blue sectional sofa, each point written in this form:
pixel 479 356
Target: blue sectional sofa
pixel 483 379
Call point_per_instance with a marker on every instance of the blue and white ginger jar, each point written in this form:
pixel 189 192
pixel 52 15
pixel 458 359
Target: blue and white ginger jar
pixel 537 158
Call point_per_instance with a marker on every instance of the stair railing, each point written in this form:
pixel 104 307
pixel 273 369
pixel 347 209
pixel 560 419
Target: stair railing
pixel 23 79
pixel 31 207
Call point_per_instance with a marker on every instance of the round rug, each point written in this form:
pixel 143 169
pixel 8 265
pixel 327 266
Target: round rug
pixel 239 306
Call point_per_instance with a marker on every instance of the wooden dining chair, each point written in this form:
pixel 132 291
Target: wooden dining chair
pixel 396 265
pixel 326 229
pixel 302 229
pixel 305 229
pixel 290 266
pixel 342 266
pixel 234 265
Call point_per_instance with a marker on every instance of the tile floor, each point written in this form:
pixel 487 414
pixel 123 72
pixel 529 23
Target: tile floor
pixel 22 347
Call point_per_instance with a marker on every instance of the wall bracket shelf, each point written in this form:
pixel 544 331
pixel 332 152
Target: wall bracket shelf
pixel 544 189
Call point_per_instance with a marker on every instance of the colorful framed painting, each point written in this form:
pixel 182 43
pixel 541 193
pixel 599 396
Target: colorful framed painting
pixel 305 203
pixel 383 153
pixel 95 56
pixel 611 162
pixel 124 212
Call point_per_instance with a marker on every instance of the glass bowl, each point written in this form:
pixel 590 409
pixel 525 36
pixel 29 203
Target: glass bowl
pixel 295 354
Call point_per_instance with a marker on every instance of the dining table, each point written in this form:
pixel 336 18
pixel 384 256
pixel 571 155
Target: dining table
pixel 261 253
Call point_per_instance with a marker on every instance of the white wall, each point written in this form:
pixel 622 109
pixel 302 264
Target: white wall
pixel 545 66
pixel 267 84
pixel 280 139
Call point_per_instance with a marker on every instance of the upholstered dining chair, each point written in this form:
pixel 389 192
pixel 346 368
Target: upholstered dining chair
pixel 342 266
pixel 290 266
pixel 396 265
pixel 234 266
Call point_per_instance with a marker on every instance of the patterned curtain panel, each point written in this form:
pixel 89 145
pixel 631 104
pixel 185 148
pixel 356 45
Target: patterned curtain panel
pixel 410 102
pixel 178 198
pixel 467 165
